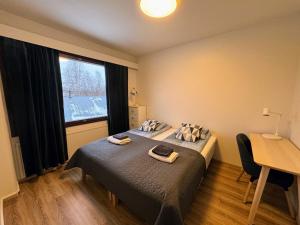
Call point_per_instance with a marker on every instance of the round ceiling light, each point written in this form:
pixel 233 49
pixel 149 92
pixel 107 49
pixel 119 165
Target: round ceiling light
pixel 158 8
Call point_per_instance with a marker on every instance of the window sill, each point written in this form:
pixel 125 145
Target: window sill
pixel 86 127
pixel 86 121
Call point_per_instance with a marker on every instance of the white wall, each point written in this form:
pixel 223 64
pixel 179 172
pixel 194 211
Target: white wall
pixel 295 115
pixel 8 180
pixel 132 76
pixel 223 82
pixel 78 136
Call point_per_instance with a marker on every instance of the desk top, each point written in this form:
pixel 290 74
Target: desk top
pixel 277 154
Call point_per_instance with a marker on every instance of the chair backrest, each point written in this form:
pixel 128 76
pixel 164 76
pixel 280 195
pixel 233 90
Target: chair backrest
pixel 246 155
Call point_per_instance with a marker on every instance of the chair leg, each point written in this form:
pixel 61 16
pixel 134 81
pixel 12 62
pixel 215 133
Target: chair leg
pixel 291 209
pixel 115 200
pixel 241 174
pixel 247 192
pixel 109 195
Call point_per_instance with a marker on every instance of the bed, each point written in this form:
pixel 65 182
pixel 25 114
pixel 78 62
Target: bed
pixel 158 192
pixel 207 151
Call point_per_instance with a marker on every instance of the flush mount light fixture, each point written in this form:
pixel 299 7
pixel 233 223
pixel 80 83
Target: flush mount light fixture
pixel 158 8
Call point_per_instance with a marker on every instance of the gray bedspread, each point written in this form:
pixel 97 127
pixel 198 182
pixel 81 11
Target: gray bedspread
pixel 158 192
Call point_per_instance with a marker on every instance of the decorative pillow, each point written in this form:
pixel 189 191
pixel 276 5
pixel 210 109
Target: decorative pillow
pixel 177 130
pixel 149 125
pixel 189 132
pixel 205 133
pixel 161 126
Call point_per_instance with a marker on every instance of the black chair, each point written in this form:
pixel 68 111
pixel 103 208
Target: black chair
pixel 282 179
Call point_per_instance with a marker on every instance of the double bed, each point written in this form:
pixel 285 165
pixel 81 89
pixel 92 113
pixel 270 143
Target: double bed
pixel 207 150
pixel 158 192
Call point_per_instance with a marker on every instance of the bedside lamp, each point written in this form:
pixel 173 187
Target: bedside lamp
pixel 275 136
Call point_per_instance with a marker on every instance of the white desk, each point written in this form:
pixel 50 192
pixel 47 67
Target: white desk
pixel 273 154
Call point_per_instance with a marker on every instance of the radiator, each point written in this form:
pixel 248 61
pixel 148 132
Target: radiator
pixel 18 160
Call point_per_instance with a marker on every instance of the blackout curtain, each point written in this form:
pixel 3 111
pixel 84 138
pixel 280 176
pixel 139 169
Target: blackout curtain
pixel 117 98
pixel 33 92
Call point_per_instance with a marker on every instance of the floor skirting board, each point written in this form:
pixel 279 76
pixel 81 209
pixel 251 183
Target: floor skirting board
pixel 1 212
pixel 14 194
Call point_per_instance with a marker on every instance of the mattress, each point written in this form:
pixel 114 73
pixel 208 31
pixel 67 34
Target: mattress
pixel 207 152
pixel 150 134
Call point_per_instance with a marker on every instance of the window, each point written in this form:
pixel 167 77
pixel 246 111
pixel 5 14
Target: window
pixel 84 90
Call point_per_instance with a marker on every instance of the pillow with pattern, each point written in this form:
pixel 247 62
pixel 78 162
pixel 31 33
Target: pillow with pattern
pixel 161 126
pixel 189 132
pixel 149 125
pixel 205 133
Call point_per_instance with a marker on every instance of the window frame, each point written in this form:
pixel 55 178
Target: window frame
pixel 88 60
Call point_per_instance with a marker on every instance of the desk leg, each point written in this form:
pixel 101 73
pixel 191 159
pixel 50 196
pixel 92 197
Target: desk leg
pixel 264 173
pixel 298 214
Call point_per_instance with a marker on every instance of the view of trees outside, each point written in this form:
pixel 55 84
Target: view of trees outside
pixel 84 89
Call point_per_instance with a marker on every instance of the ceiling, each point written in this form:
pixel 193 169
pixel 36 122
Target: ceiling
pixel 120 23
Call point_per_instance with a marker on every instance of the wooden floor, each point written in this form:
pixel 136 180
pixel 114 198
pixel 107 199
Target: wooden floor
pixel 63 199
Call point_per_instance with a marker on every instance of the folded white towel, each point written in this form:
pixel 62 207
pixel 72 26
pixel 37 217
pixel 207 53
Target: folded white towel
pixel 170 159
pixel 113 140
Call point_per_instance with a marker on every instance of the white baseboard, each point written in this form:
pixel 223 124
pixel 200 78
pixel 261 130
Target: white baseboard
pixel 1 204
pixel 1 212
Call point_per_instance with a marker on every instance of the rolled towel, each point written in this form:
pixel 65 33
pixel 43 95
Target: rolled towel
pixel 113 140
pixel 170 159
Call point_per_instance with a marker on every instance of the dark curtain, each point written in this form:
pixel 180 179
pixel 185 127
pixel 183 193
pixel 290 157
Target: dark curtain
pixel 33 93
pixel 117 98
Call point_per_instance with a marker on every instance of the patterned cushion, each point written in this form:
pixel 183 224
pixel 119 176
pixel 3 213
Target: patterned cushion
pixel 161 126
pixel 189 132
pixel 205 133
pixel 149 125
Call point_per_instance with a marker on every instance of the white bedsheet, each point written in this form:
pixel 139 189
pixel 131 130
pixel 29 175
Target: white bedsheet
pixel 207 152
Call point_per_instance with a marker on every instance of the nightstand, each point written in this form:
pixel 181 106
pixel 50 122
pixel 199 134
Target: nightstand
pixel 137 115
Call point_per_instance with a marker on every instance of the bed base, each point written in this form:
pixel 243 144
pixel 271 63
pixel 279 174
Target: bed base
pixel 111 196
pixel 113 199
pixel 83 175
